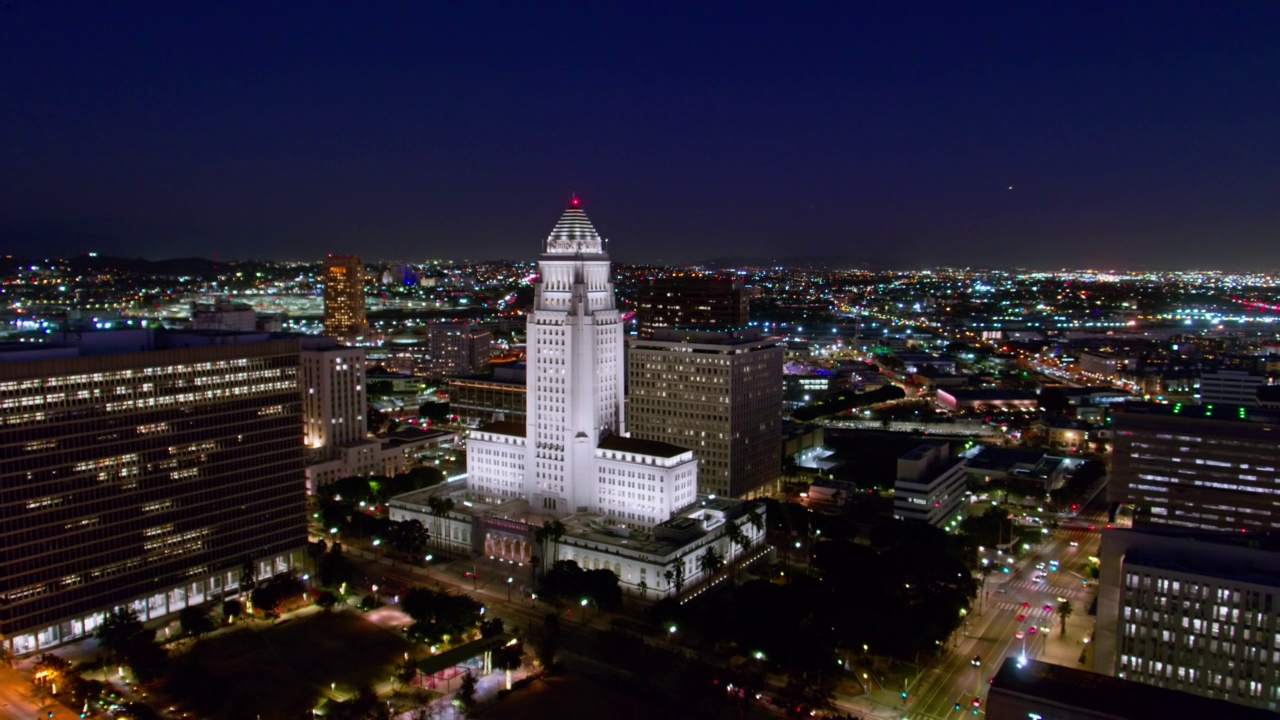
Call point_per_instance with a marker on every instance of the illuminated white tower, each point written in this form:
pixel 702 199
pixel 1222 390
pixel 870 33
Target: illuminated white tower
pixel 575 368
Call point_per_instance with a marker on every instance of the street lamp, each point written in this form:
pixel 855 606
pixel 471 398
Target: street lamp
pixel 584 611
pixel 509 581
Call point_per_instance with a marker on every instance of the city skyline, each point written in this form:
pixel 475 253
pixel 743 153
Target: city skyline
pixel 1031 137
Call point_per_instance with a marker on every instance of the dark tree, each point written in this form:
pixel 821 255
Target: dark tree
pixel 508 658
pixel 195 621
pixel 118 629
pixel 549 643
pixel 326 600
pixel 467 691
pixel 231 609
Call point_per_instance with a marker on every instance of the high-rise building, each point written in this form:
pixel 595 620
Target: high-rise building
pixel 931 486
pixel 1197 611
pixel 344 297
pixel 691 302
pixel 459 349
pixel 334 403
pixel 718 393
pixel 571 454
pixel 1197 466
pixel 143 469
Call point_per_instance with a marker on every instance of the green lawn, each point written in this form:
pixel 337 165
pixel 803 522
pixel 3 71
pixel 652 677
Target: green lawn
pixel 283 670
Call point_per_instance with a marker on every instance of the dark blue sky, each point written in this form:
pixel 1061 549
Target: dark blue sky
pixel 1132 134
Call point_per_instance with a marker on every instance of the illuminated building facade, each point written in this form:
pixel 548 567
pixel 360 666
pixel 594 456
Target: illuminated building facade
pixel 458 349
pixel 571 454
pixel 344 297
pixel 142 469
pixel 1197 466
pixel 719 394
pixel 333 394
pixel 1197 611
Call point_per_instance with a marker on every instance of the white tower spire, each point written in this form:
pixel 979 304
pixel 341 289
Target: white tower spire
pixel 575 337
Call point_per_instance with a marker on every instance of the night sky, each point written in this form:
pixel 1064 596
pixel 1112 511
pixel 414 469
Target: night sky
pixel 1033 134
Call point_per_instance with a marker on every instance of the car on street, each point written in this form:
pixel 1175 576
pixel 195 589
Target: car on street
pixel 1021 618
pixel 1019 634
pixel 976 661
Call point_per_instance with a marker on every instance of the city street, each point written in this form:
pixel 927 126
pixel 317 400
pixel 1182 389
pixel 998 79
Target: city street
pixel 991 629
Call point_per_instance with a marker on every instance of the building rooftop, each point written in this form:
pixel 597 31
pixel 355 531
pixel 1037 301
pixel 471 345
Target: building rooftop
pixel 1182 562
pixel 654 448
pixel 1107 696
pixel 1210 411
pixel 504 427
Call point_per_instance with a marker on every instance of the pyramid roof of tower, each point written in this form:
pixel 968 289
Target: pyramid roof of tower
pixel 574 234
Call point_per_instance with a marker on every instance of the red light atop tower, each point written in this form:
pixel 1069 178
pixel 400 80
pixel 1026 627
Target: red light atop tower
pixel 574 202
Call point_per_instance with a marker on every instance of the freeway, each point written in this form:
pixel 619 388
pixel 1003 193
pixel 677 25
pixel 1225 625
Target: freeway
pixel 991 631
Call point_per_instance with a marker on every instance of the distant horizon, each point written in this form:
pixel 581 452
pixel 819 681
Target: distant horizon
pixel 790 263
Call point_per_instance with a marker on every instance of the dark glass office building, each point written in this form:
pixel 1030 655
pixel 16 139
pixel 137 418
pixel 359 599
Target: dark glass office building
pixel 142 469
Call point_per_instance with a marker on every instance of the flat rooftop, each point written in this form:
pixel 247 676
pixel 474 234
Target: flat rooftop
pixel 655 448
pixel 1106 696
pixel 504 427
pixel 1210 411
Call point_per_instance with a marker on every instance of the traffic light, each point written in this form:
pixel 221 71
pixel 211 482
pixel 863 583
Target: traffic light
pixel 904 694
pixel 957 705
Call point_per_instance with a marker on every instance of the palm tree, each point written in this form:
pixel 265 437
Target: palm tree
pixel 675 575
pixel 710 562
pixel 1064 612
pixel 551 530
pixel 733 533
pixel 736 537
pixel 440 507
pixel 756 518
pixel 508 658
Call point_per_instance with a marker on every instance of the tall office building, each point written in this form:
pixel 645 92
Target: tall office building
pixel 344 297
pixel 1197 466
pixel 1197 611
pixel 142 469
pixel 719 394
pixel 458 349
pixel 333 394
pixel 703 302
pixel 571 453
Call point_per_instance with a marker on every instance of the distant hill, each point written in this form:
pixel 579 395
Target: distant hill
pixel 813 263
pixel 188 267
